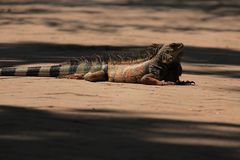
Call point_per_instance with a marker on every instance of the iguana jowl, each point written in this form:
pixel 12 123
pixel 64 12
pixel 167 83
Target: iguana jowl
pixel 163 68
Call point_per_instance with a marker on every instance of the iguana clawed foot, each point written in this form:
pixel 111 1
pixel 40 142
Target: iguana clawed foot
pixel 185 83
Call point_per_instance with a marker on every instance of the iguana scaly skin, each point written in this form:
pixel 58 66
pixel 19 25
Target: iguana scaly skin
pixel 163 68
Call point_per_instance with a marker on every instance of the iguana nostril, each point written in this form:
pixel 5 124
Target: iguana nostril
pixel 172 44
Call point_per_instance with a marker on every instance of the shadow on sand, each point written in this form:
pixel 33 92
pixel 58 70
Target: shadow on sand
pixel 215 7
pixel 36 134
pixel 31 53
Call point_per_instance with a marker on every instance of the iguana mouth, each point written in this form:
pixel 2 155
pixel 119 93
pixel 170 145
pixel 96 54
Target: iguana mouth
pixel 181 45
pixel 180 48
pixel 179 51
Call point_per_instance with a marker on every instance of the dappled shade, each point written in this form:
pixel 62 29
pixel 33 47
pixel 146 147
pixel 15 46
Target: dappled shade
pixel 111 134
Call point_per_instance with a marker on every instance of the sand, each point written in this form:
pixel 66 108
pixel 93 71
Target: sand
pixel 48 118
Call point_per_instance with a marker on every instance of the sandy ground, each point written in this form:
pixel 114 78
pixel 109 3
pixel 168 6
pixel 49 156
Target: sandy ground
pixel 48 118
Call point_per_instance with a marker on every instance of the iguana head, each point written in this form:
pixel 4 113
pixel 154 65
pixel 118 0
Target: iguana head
pixel 170 53
pixel 166 64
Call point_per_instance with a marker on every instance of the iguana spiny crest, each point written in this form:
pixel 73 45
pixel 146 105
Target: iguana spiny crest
pixel 120 56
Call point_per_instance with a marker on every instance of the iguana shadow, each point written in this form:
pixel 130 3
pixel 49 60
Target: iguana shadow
pixel 12 54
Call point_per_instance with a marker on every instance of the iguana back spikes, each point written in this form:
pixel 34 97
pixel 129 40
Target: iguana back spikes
pixel 130 57
pixel 120 56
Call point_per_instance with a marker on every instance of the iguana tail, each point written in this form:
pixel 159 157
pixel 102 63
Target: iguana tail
pixel 39 71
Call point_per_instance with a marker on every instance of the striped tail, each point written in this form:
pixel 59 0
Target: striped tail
pixel 40 71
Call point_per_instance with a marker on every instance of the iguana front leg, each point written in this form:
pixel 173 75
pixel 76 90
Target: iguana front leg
pixel 95 76
pixel 185 83
pixel 150 79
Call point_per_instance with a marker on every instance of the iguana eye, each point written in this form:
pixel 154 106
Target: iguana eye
pixel 173 45
pixel 167 51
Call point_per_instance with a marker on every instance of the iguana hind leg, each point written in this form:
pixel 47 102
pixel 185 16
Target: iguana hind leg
pixel 95 76
pixel 150 79
pixel 72 76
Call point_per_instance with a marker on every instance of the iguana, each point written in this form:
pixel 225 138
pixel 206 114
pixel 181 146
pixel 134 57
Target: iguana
pixel 161 67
